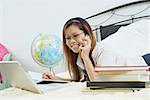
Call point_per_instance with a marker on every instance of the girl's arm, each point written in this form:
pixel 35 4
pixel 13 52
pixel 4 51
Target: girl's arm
pixel 84 53
pixel 49 76
pixel 89 68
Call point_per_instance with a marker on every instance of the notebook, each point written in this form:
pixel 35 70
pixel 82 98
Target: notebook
pixel 18 77
pixel 114 84
pixel 122 73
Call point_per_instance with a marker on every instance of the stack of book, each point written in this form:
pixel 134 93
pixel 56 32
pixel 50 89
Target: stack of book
pixel 120 77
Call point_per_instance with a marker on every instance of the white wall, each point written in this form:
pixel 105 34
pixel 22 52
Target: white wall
pixel 1 23
pixel 22 20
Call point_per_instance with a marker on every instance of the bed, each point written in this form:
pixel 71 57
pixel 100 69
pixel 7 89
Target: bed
pixel 120 26
pixel 110 26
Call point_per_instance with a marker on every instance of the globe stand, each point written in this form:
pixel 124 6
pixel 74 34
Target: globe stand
pixel 51 70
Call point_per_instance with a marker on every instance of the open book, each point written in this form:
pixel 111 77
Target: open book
pixel 37 77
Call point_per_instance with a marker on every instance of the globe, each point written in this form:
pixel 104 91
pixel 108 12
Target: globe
pixel 46 50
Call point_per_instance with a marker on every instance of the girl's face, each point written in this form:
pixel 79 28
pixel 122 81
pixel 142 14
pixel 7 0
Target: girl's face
pixel 74 36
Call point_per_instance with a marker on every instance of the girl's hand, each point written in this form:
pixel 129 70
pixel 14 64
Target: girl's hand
pixel 85 47
pixel 47 75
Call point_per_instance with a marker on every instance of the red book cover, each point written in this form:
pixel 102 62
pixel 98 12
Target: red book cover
pixel 121 68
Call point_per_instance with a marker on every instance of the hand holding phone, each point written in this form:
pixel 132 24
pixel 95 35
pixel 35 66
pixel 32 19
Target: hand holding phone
pixel 85 47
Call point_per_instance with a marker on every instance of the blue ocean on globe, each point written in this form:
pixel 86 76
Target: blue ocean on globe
pixel 46 49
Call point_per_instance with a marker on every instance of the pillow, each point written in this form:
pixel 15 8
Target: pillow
pixel 131 40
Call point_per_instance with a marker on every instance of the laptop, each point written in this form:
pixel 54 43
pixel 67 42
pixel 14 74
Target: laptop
pixel 18 77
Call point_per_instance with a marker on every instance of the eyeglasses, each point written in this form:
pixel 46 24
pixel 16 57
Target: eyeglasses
pixel 75 36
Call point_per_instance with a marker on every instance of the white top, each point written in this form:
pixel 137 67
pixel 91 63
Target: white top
pixel 103 55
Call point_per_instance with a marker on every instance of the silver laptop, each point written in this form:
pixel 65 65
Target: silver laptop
pixel 17 77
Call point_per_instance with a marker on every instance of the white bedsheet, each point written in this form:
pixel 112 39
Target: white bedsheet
pixel 73 92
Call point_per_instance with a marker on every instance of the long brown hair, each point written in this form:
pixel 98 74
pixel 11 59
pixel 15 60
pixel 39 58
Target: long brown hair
pixel 71 57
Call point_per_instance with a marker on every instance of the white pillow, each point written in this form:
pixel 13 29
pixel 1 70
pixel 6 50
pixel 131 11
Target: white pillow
pixel 131 40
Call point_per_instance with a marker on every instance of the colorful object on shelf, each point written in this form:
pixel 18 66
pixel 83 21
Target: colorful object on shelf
pixel 4 56
pixel 3 52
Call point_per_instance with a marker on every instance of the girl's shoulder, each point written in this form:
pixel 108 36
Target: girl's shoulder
pixel 99 45
pixel 102 48
pixel 98 49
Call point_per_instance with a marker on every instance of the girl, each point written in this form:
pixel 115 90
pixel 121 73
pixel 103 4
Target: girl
pixel 82 52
